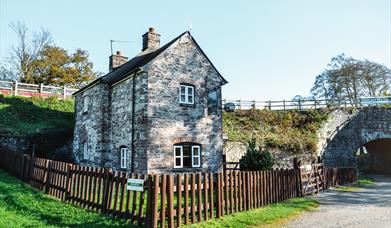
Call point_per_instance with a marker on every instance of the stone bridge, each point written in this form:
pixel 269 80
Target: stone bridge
pixel 347 130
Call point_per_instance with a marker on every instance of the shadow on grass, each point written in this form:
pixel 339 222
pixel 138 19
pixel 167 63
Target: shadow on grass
pixel 26 202
pixel 30 115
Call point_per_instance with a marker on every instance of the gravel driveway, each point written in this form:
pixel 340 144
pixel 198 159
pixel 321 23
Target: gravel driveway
pixel 368 207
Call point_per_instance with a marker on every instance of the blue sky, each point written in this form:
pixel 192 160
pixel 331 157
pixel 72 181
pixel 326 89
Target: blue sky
pixel 265 49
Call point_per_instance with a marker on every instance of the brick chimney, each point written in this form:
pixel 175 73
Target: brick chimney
pixel 151 40
pixel 116 60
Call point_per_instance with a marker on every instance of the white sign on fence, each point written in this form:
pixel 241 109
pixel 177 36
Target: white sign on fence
pixel 135 185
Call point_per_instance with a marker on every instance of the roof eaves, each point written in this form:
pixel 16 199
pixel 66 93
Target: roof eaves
pixel 88 86
pixel 203 53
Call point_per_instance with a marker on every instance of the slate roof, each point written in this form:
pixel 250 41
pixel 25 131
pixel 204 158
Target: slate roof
pixel 137 62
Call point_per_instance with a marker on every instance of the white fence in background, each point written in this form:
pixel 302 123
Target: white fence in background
pixel 307 103
pixel 40 90
pixel 35 90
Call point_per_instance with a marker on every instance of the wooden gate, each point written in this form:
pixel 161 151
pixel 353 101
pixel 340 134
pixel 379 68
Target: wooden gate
pixel 312 178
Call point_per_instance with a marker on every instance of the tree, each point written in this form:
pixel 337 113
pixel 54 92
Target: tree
pixel 349 78
pixel 6 73
pixel 27 51
pixel 40 61
pixel 56 67
pixel 256 159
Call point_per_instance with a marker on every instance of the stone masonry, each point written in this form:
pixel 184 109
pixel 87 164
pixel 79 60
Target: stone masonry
pixel 137 106
pixel 347 130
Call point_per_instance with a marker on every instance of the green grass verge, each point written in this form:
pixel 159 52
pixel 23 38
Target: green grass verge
pixel 364 180
pixel 271 214
pixel 31 115
pixel 23 206
pixel 347 188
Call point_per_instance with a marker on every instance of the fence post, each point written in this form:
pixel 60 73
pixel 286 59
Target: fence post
pixel 150 201
pixel 299 187
pixel 270 105
pixel 64 92
pixel 16 89
pixel 21 169
pixel 106 188
pixel 31 167
pixel 284 104
pixel 300 104
pixel 153 201
pixel 170 200
pixel 47 176
pixel 254 102
pixel 218 201
pixel 68 182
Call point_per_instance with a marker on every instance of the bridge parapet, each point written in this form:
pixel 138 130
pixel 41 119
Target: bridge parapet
pixel 301 104
pixel 347 130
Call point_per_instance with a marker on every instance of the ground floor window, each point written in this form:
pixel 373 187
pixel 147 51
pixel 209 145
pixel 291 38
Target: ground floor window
pixel 124 157
pixel 187 155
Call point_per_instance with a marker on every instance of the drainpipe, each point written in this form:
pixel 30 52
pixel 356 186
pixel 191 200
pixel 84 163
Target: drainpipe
pixel 133 115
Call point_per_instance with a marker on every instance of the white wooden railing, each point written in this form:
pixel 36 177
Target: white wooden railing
pixel 307 103
pixel 35 90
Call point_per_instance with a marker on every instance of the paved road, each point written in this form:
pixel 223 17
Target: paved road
pixel 368 207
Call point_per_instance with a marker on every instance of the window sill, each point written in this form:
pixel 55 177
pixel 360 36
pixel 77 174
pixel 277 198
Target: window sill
pixel 189 170
pixel 187 105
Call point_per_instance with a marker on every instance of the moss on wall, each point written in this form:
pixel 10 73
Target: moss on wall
pixel 291 131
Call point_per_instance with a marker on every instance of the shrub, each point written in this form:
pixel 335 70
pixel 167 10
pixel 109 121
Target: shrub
pixel 256 159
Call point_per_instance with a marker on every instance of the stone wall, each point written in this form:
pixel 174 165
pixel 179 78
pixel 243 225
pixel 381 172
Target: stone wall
pixel 92 127
pixel 121 120
pixel 170 122
pixel 141 123
pixel 353 129
pixel 158 119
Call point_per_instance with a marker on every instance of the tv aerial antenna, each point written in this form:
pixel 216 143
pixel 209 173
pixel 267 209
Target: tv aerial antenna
pixel 116 41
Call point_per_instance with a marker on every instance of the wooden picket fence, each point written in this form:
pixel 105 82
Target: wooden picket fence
pixel 168 200
pixel 97 189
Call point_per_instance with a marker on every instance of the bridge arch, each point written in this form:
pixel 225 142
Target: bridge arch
pixel 348 130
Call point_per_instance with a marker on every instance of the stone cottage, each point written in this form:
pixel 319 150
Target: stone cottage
pixel 160 111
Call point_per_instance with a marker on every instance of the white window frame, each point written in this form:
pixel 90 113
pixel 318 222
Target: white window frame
pixel 193 165
pixel 180 156
pixel 198 156
pixel 186 94
pixel 124 157
pixel 86 102
pixel 85 150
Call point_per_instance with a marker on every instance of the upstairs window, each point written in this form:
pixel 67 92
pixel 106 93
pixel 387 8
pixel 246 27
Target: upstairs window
pixel 186 94
pixel 86 101
pixel 187 155
pixel 213 101
pixel 124 157
pixel 85 150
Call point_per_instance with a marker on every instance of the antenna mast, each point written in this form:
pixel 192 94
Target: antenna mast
pixel 116 41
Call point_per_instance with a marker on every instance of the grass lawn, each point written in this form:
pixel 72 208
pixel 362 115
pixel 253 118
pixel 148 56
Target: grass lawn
pixel 267 215
pixel 362 181
pixel 23 206
pixel 30 115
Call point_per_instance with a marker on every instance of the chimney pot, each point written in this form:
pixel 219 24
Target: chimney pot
pixel 151 40
pixel 116 60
